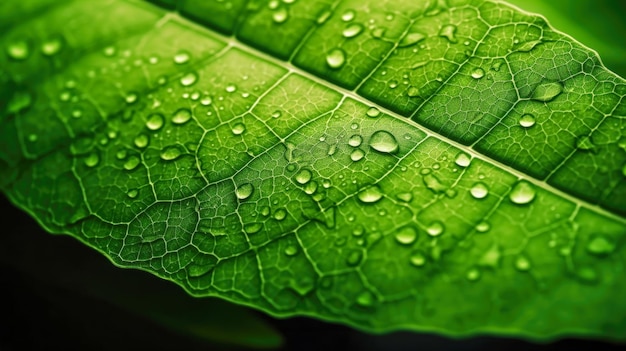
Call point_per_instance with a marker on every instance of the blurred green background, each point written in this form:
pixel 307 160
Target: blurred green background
pixel 598 24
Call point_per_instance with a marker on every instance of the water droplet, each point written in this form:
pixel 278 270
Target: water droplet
pixel 405 197
pixel 406 235
pixel 417 259
pixel 348 16
pixel 310 188
pixel 435 228
pixel 323 17
pixel 171 153
pixel 142 140
pixel 121 154
pixel 231 88
pixel 522 193
pixel 18 50
pixel 365 299
pixel 462 160
pixel 303 177
pixel 291 250
pixel 373 112
pixel 252 228
pixel 527 121
pixel 522 263
pixel 280 214
pixel 370 194
pixel 182 57
pixel 206 101
pixel 92 159
pixel 478 73
pixel 479 190
pixel 155 121
pixel 378 32
pixel 473 274
pixel 411 39
pixel 393 84
pixel 131 163
pixel 491 257
pixel 357 155
pixel 483 227
pixel 131 98
pixel 244 191
pixel 33 138
pixel 336 58
pixel 52 46
pixel 132 193
pixel 448 31
pixel 238 129
pixel 181 116
pixel 326 183
pixel 547 91
pixel 188 79
pixel 600 246
pixel 383 141
pixel 352 30
pixel 412 91
pixel 354 258
pixel 355 140
pixel 276 114
pixel 280 15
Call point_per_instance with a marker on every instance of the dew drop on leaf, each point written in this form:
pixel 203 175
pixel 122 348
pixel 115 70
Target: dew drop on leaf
pixel 411 39
pixel 462 160
pixel 348 15
pixel 357 155
pixel 182 57
pixel 383 141
pixel 109 51
pixel 142 140
pixel 155 121
pixel 280 214
pixel 404 197
pixel 291 250
pixel 280 16
pixel 206 101
pixel 547 91
pixel 323 17
pixel 188 79
pixel 238 129
pixel 473 274
pixel 171 153
pixel 522 193
pixel 132 193
pixel 527 121
pixel 52 46
pixel 231 88
pixel 478 73
pixel 355 140
pixel 373 112
pixel 244 191
pixel 276 114
pixel 522 263
pixel 412 91
pixel 181 116
pixel 479 190
pixel 131 163
pixel 252 228
pixel 18 50
pixel 304 176
pixel 131 98
pixel 483 227
pixel 92 159
pixel 365 299
pixel 435 228
pixel 352 30
pixel 600 246
pixel 336 58
pixel 406 235
pixel 448 31
pixel 370 194
pixel 354 258
pixel 417 259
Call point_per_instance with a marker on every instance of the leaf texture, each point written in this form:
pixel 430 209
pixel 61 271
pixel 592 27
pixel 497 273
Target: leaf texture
pixel 454 166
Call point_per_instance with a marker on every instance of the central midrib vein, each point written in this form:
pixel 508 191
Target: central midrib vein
pixel 233 42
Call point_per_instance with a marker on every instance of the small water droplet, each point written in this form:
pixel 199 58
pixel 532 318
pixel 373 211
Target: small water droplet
pixel 188 79
pixel 303 177
pixel 323 17
pixel 33 138
pixel 132 193
pixel 478 73
pixel 462 160
pixel 417 259
pixel 547 91
pixel 354 258
pixel 522 263
pixel 355 140
pixel 238 129
pixel 142 140
pixel 406 235
pixel 244 191
pixel 600 246
pixel 181 116
pixel 18 50
pixel 373 112
pixel 393 84
pixel 352 30
pixel 348 15
pixel 411 39
pixel 522 193
pixel 131 98
pixel 92 159
pixel 291 250
pixel 52 46
pixel 280 15
pixel 131 163
pixel 383 141
pixel 412 91
pixel 435 228
pixel 370 194
pixel 231 88
pixel 483 227
pixel 182 57
pixel 473 274
pixel 527 121
pixel 310 188
pixel 479 190
pixel 357 155
pixel 252 228
pixel 365 299
pixel 448 31
pixel 171 153
pixel 155 121
pixel 336 58
pixel 280 214
pixel 276 114
pixel 206 101
pixel 405 197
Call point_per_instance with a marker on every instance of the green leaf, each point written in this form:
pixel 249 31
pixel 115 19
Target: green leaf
pixel 452 166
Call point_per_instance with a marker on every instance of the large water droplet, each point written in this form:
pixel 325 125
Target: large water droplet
pixel 479 190
pixel 182 57
pixel 142 140
pixel 244 191
pixel 357 155
pixel 462 160
pixel 522 193
pixel 448 31
pixel 435 228
pixel 383 141
pixel 188 79
pixel 547 91
pixel 252 228
pixel 304 176
pixel 370 194
pixel 171 153
pixel 365 299
pixel 181 116
pixel 18 50
pixel 355 140
pixel 352 30
pixel 131 163
pixel 280 15
pixel 406 235
pixel 336 58
pixel 527 121
pixel 411 39
pixel 155 121
pixel 238 128
pixel 600 246
pixel 280 214
pixel 310 187
pixel 52 46
pixel 478 73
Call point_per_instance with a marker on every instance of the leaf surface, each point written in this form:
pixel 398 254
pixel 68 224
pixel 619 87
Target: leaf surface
pixel 451 166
